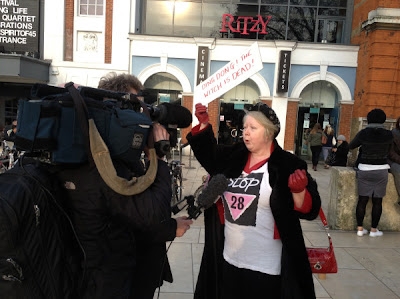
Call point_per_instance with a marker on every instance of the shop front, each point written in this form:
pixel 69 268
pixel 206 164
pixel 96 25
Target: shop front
pixel 320 83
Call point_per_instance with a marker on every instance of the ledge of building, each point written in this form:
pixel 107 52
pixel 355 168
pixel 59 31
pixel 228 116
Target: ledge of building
pixel 382 19
pixel 23 69
pixel 281 44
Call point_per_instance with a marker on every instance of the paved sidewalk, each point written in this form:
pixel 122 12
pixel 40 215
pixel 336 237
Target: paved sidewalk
pixel 368 267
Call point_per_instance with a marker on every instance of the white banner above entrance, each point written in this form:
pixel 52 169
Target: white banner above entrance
pixel 232 74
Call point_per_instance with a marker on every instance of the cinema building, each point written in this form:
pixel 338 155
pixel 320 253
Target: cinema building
pixel 176 44
pixel 310 71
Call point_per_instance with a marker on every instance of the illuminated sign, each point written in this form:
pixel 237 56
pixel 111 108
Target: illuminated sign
pixel 19 25
pixel 243 24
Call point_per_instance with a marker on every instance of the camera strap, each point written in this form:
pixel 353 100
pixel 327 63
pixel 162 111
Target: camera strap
pixel 99 154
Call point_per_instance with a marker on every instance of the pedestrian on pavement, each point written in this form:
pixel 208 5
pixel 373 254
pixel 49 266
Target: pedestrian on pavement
pixel 372 174
pixel 330 141
pixel 394 157
pixel 315 142
pixel 9 128
pixel 338 155
pixel 269 192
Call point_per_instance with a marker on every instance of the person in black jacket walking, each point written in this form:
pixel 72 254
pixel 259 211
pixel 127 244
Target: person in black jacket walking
pixel 315 141
pixel 372 174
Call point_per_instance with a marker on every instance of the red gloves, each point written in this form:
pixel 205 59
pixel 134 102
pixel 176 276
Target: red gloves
pixel 298 181
pixel 201 113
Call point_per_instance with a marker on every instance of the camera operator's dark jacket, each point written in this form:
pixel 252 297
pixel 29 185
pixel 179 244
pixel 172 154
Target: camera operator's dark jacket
pixel 105 223
pixel 375 142
pixel 297 281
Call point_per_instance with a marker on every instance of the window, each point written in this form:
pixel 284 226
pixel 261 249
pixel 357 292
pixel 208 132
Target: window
pixel 276 28
pixel 301 24
pixel 159 17
pixel 238 24
pixel 330 31
pixel 299 20
pixel 91 7
pixel 304 2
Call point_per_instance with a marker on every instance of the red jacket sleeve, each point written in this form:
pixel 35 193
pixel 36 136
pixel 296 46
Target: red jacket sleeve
pixel 307 204
pixel 196 129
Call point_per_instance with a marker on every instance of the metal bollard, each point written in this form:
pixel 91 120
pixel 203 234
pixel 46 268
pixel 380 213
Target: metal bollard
pixel 190 160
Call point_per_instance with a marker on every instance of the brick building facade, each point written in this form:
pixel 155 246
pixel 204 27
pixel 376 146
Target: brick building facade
pixel 376 29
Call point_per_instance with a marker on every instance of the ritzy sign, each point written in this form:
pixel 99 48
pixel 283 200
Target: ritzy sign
pixel 228 19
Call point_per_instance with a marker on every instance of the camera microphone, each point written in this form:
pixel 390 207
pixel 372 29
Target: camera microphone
pixel 215 188
pixel 171 115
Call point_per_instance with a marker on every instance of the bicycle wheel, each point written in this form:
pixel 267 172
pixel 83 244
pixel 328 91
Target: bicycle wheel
pixel 176 188
pixel 179 187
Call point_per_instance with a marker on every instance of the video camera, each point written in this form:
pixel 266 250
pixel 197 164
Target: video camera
pixel 171 116
pixel 47 123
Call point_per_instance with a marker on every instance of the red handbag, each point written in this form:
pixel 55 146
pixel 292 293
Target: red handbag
pixel 322 260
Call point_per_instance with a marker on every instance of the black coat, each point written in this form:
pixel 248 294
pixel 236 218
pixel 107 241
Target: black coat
pixel 340 156
pixel 375 142
pixel 296 273
pixel 105 223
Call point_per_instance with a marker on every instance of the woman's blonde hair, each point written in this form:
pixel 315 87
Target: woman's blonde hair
pixel 330 131
pixel 270 129
pixel 316 128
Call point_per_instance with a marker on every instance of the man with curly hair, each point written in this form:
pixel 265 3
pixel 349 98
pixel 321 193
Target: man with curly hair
pixel 121 82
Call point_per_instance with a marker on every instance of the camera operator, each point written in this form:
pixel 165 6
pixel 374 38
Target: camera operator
pixel 152 266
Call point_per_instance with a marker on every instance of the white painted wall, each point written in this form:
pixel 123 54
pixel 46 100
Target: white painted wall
pixel 88 66
pixel 303 54
pixel 225 50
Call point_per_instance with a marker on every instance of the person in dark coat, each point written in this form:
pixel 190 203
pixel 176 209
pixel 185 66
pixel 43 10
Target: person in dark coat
pixel 330 141
pixel 394 157
pixel 8 129
pixel 372 174
pixel 105 222
pixel 315 141
pixel 253 235
pixel 152 265
pixel 338 155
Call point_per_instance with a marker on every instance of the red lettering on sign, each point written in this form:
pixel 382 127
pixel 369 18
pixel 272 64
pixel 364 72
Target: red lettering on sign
pixel 229 23
pixel 245 19
pixel 264 24
pixel 228 19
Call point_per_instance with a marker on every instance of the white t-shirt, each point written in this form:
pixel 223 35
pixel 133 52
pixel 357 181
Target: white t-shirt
pixel 368 167
pixel 249 224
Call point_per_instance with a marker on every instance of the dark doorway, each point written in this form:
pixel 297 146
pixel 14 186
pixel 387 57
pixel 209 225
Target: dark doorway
pixel 231 122
pixel 307 117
